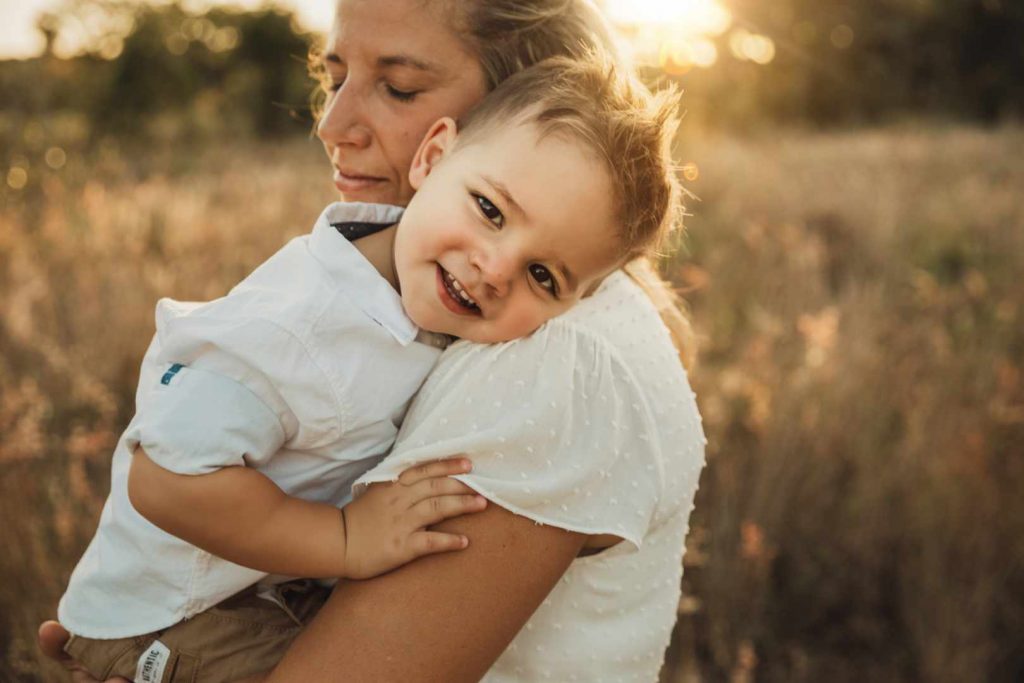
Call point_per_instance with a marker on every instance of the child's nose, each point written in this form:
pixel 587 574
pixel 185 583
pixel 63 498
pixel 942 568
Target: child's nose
pixel 497 269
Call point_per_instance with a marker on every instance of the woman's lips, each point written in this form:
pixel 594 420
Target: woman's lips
pixel 347 184
pixel 449 301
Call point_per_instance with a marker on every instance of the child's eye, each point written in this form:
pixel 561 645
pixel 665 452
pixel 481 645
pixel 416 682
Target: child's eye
pixel 544 278
pixel 402 95
pixel 489 210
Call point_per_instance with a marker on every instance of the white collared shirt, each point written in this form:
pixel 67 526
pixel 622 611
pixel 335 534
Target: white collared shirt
pixel 303 371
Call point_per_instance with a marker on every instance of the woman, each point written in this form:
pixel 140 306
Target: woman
pixel 585 437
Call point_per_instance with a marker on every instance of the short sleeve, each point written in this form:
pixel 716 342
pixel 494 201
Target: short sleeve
pixel 557 430
pixel 196 422
pixel 230 389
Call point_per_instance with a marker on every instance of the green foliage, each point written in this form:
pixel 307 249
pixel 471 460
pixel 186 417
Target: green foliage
pixel 158 72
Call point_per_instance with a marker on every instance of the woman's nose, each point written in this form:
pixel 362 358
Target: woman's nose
pixel 342 121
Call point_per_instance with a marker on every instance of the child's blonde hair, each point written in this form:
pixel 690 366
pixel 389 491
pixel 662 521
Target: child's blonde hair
pixel 508 36
pixel 614 116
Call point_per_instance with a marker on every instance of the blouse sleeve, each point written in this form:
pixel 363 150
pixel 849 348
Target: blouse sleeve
pixel 557 430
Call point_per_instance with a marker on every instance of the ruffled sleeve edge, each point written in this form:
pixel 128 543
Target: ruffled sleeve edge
pixel 495 499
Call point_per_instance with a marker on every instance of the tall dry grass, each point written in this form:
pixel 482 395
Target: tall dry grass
pixel 84 255
pixel 860 517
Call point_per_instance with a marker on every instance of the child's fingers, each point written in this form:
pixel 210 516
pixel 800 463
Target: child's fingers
pixel 433 487
pixel 430 542
pixel 438 508
pixel 438 468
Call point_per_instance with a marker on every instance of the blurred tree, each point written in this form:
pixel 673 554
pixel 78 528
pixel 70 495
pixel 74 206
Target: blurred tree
pixel 159 71
pixel 840 62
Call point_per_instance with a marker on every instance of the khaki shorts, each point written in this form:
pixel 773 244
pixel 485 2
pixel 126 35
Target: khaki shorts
pixel 244 635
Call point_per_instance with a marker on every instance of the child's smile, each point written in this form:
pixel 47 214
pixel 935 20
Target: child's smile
pixel 505 232
pixel 454 296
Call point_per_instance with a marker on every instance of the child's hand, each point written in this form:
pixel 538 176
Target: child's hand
pixel 386 526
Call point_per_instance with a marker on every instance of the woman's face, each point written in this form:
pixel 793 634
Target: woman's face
pixel 395 67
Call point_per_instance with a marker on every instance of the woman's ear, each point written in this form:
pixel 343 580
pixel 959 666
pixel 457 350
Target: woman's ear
pixel 436 144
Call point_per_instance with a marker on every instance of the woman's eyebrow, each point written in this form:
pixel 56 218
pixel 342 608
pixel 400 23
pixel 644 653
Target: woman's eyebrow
pixel 407 61
pixel 390 60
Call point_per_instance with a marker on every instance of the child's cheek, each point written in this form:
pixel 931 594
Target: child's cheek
pixel 523 318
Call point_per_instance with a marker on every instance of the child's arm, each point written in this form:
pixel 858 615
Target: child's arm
pixel 239 514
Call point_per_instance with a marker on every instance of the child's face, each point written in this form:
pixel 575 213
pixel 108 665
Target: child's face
pixel 504 232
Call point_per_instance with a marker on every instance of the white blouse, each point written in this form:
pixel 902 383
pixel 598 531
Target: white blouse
pixel 589 425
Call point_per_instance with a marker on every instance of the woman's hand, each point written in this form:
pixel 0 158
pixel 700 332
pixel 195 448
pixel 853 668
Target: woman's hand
pixel 386 527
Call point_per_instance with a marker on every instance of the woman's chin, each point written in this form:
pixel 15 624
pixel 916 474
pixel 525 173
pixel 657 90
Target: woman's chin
pixel 379 193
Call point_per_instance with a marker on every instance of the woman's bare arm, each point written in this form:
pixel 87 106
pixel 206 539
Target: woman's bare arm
pixel 443 618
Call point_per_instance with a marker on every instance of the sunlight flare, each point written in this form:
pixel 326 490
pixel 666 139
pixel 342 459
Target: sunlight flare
pixel 675 35
pixel 691 17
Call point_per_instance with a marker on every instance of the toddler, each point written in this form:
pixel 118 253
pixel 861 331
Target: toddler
pixel 257 411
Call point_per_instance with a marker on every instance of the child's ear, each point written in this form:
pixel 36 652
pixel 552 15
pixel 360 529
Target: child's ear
pixel 436 145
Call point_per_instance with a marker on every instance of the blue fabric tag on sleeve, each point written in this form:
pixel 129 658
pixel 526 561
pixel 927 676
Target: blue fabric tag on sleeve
pixel 171 372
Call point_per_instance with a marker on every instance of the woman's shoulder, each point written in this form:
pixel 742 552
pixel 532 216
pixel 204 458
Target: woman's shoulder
pixel 620 320
pixel 622 317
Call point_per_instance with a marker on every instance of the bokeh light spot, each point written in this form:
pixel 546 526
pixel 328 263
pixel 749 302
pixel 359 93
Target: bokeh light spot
pixel 56 158
pixel 842 36
pixel 751 46
pixel 690 171
pixel 704 53
pixel 17 178
pixel 177 44
pixel 110 48
pixel 223 39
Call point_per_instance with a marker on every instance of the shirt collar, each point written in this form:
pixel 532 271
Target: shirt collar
pixel 356 276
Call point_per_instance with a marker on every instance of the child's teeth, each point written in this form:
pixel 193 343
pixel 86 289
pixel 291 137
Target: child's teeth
pixel 457 286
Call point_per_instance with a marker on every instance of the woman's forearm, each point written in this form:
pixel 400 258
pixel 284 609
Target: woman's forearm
pixel 441 618
pixel 239 514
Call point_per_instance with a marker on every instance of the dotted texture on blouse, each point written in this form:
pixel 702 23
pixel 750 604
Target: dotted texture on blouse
pixel 589 425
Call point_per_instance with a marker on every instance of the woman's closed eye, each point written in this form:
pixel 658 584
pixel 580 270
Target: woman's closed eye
pixel 543 277
pixel 401 95
pixel 333 84
pixel 489 210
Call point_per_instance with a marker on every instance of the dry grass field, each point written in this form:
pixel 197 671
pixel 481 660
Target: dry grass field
pixel 862 320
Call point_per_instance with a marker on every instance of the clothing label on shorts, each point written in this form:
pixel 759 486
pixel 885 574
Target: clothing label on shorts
pixel 150 668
